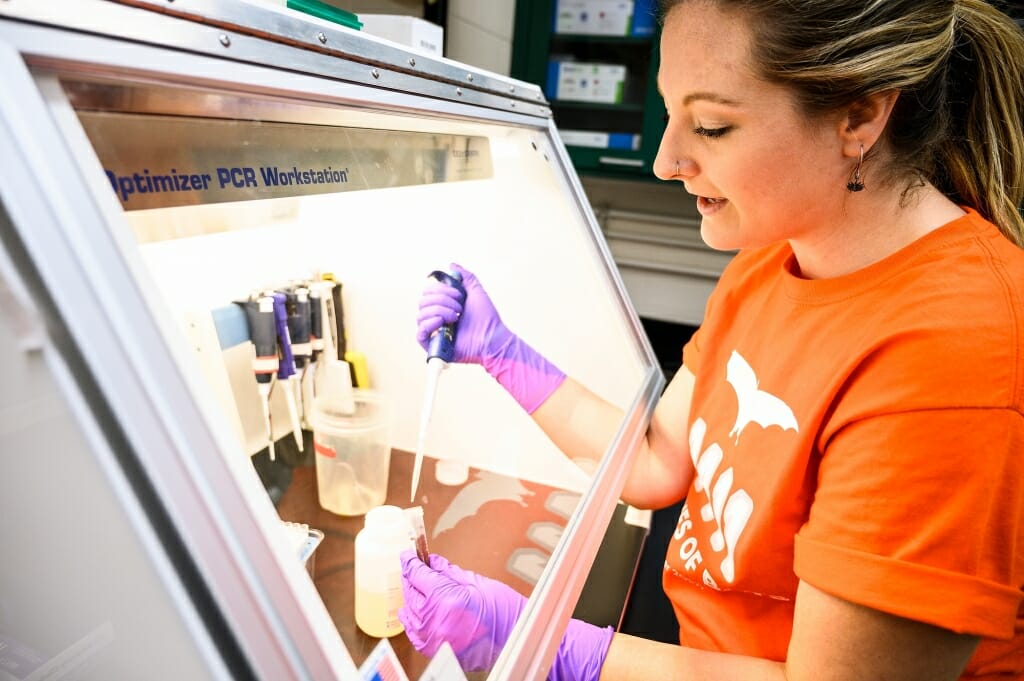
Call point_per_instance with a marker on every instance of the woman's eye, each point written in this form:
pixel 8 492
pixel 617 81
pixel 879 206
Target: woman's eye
pixel 711 132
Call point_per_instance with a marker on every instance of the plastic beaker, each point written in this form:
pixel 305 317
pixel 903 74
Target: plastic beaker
pixel 351 438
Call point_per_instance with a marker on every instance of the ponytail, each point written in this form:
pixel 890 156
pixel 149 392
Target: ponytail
pixel 982 161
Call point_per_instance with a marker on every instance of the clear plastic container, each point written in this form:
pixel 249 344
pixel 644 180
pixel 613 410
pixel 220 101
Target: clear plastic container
pixel 351 438
pixel 378 571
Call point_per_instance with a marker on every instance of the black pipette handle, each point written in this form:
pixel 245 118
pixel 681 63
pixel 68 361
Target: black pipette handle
pixel 260 313
pixel 316 330
pixel 299 325
pixel 442 343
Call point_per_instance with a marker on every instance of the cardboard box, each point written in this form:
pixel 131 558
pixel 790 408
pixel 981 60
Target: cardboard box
pixel 594 17
pixel 413 32
pixel 586 82
pixel 600 140
pixel 605 17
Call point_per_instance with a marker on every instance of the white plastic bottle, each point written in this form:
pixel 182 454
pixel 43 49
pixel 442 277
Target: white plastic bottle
pixel 378 570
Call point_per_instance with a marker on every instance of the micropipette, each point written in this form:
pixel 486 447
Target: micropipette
pixel 299 331
pixel 440 351
pixel 286 367
pixel 262 332
pixel 316 346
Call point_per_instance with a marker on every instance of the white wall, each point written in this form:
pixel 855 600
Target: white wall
pixel 480 33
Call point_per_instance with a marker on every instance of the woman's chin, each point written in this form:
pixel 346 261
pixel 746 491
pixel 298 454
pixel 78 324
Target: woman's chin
pixel 715 235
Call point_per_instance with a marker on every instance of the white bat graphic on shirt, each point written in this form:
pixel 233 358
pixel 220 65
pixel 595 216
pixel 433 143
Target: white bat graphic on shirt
pixel 755 405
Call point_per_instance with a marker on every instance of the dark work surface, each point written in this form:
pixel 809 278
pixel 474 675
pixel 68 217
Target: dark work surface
pixel 291 482
pixel 667 340
pixel 605 593
pixel 649 613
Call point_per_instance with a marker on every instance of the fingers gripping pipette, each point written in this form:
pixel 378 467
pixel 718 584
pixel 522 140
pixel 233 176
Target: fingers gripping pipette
pixel 440 351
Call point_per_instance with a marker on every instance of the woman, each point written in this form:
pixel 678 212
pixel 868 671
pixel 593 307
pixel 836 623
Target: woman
pixel 848 425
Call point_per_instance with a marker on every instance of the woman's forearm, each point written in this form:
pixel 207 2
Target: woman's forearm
pixel 583 425
pixel 637 659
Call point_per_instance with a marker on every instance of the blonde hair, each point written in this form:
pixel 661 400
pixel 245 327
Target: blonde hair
pixel 957 64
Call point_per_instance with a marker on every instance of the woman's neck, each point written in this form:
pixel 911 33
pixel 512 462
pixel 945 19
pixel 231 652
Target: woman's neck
pixel 873 228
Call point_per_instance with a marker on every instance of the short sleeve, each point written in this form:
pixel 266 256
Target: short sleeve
pixel 691 352
pixel 920 515
pixel 692 348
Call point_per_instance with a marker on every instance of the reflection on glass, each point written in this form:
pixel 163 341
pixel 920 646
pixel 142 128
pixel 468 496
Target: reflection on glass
pixel 372 202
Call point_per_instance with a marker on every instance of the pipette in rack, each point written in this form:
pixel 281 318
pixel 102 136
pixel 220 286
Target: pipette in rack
pixel 302 347
pixel 356 360
pixel 325 352
pixel 286 365
pixel 440 351
pixel 316 347
pixel 262 332
pixel 327 317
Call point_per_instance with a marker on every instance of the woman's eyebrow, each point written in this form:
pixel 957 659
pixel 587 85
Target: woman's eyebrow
pixel 701 95
pixel 709 97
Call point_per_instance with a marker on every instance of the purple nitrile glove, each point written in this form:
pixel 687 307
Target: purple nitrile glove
pixel 475 615
pixel 482 338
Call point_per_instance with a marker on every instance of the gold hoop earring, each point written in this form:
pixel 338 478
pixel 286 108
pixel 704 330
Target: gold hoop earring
pixel 856 183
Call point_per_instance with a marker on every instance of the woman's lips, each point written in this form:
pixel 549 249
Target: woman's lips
pixel 707 206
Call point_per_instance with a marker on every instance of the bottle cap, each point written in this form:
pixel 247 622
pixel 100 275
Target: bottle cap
pixel 386 518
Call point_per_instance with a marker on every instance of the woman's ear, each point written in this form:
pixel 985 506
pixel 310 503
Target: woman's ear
pixel 865 120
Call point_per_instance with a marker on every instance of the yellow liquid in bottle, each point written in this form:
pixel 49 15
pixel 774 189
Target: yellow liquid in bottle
pixel 377 611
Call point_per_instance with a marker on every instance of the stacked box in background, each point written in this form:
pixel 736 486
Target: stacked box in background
pixel 600 140
pixel 605 17
pixel 586 82
pixel 597 81
pixel 414 32
pixel 590 81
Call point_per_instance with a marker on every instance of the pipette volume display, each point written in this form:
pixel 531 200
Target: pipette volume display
pixel 440 351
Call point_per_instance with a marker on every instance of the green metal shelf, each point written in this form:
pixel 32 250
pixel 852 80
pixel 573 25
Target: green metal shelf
pixel 534 43
pixel 596 106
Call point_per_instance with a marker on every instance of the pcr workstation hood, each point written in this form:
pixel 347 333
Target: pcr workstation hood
pixel 162 162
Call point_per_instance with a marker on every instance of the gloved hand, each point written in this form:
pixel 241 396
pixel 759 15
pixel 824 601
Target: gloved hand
pixel 484 339
pixel 475 615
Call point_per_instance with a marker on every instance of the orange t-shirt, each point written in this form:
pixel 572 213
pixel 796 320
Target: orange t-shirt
pixel 864 434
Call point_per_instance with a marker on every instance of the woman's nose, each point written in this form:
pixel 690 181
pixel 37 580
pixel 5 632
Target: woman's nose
pixel 672 164
pixel 663 166
pixel 668 168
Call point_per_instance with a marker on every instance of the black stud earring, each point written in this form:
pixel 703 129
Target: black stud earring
pixel 856 184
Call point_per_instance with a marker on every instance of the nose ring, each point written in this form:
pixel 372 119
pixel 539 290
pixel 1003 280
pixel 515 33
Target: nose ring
pixel 677 167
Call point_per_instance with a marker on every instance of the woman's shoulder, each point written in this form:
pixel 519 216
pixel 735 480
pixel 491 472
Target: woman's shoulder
pixel 952 319
pixel 970 260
